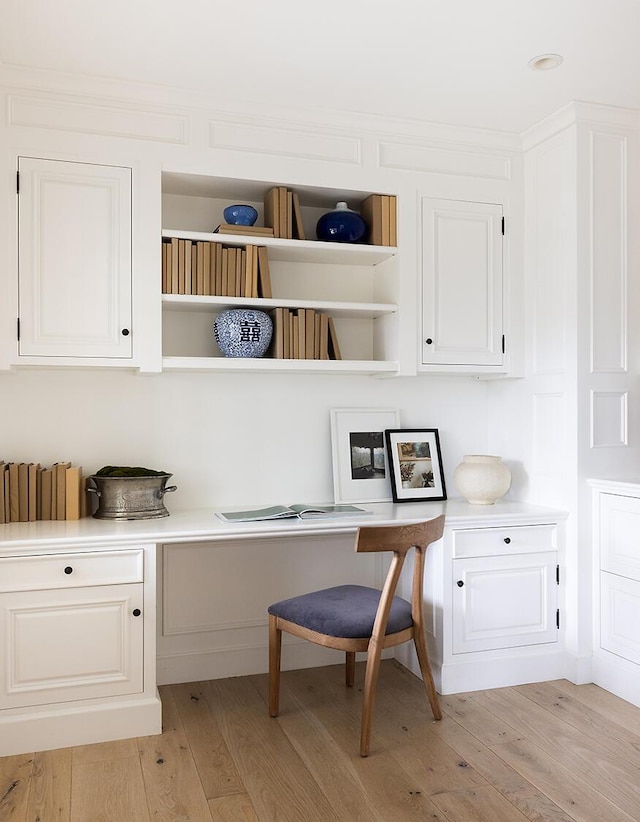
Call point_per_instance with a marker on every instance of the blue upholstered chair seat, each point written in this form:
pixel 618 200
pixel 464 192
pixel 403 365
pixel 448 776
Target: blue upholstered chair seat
pixel 345 611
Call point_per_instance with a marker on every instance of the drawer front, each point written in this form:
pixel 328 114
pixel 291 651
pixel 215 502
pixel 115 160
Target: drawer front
pixel 521 539
pixel 71 570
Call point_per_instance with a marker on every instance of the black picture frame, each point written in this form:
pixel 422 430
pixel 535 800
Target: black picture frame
pixel 415 464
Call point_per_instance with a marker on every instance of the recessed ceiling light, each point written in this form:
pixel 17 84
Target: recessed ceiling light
pixel 544 62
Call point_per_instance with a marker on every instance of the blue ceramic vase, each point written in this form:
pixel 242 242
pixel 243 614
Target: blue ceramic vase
pixel 243 332
pixel 342 225
pixel 240 215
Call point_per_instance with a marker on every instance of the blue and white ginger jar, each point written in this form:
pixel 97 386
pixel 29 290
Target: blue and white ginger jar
pixel 243 332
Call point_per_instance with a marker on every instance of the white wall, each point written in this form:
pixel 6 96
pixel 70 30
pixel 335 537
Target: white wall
pixel 228 439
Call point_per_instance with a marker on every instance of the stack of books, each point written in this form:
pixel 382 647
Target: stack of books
pixel 282 213
pixel 211 269
pixel 380 213
pixel 246 230
pixel 30 492
pixel 303 334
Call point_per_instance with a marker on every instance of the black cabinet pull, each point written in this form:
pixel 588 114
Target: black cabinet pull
pixel 137 611
pixel 460 583
pixel 125 332
pixel 68 570
pixel 507 540
pixel 429 341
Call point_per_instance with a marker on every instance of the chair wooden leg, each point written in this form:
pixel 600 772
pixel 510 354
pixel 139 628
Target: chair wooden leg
pixel 374 655
pixel 427 676
pixel 350 668
pixel 275 652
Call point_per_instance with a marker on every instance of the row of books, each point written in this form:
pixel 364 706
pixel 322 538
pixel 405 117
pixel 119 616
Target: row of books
pixel 305 334
pixel 212 269
pixel 379 211
pixel 282 213
pixel 30 492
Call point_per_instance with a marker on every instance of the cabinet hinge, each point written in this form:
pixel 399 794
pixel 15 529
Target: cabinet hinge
pixel 558 618
pixel 503 344
pixel 18 328
pixel 17 182
pixel 503 226
pixel 557 575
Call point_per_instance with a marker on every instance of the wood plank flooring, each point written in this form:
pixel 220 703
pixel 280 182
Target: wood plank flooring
pixel 550 752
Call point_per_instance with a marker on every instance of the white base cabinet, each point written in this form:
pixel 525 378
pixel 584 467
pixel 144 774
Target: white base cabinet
pixel 492 603
pixel 79 656
pixel 616 591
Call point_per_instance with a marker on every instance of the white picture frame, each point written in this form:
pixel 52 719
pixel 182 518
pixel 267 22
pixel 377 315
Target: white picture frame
pixel 359 476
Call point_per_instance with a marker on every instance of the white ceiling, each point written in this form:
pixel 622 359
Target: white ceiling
pixel 461 62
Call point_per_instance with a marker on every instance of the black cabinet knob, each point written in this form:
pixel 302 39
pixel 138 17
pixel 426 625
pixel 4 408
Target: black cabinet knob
pixel 137 611
pixel 507 540
pixel 125 332
pixel 459 583
pixel 429 341
pixel 68 570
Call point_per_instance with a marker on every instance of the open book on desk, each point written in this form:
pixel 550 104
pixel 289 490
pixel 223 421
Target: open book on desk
pixel 285 511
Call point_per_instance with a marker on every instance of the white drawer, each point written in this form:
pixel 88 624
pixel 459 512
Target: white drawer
pixel 71 570
pixel 522 539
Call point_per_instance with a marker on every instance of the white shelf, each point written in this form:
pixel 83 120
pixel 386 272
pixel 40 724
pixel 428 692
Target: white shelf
pixel 297 251
pixel 262 365
pixel 191 303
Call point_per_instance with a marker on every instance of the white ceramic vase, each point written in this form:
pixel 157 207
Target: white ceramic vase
pixel 482 479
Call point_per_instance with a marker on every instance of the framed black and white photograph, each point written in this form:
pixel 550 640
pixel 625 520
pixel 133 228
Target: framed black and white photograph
pixel 415 463
pixel 360 465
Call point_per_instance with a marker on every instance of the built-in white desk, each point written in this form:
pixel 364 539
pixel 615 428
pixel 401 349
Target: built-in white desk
pixel 79 602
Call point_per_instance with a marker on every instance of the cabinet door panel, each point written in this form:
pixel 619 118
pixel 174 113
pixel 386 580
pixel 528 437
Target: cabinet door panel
pixel 71 644
pixel 504 602
pixel 620 616
pixel 462 283
pixel 619 529
pixel 74 223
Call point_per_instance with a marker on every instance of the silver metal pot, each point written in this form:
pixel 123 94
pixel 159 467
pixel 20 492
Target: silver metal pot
pixel 131 497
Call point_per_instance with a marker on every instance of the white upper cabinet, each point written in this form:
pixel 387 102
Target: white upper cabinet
pixel 74 225
pixel 462 284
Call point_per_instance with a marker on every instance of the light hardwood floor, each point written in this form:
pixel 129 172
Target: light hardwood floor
pixel 551 752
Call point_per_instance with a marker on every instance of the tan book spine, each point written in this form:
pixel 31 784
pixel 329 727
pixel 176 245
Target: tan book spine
pixel 224 282
pixel 264 274
pixel 23 492
pixel 46 493
pixel 298 228
pixel 188 267
pixel 41 471
pixel 206 269
pixel 61 490
pixel 249 252
pixel 334 348
pixel 54 491
pixel 175 262
pixel 310 334
pixel 33 492
pixel 241 272
pixel 282 211
pixel 386 220
pixel 295 336
pixel 286 333
pixel 316 336
pixel 73 487
pixel 165 268
pixel 289 215
pixel 14 492
pixel 218 267
pixel 2 473
pixel 199 267
pixel 324 336
pixel 271 211
pixel 231 272
pixel 371 211
pixel 393 220
pixel 181 255
pixel 7 495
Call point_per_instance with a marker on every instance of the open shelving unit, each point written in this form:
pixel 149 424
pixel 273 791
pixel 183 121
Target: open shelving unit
pixel 356 284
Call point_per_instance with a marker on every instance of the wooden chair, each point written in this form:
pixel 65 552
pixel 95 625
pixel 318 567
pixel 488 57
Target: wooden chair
pixel 354 618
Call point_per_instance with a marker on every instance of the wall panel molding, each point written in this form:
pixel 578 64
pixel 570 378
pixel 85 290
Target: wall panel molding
pixel 609 419
pixel 608 252
pixel 287 142
pixel 91 117
pixel 443 160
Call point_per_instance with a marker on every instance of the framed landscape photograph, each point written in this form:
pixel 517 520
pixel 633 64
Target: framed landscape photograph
pixel 360 465
pixel 415 464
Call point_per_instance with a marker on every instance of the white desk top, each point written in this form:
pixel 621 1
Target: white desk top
pixel 204 526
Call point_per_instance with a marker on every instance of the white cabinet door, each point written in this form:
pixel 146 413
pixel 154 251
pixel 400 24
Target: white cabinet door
pixel 504 601
pixel 619 529
pixel 72 643
pixel 462 299
pixel 74 225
